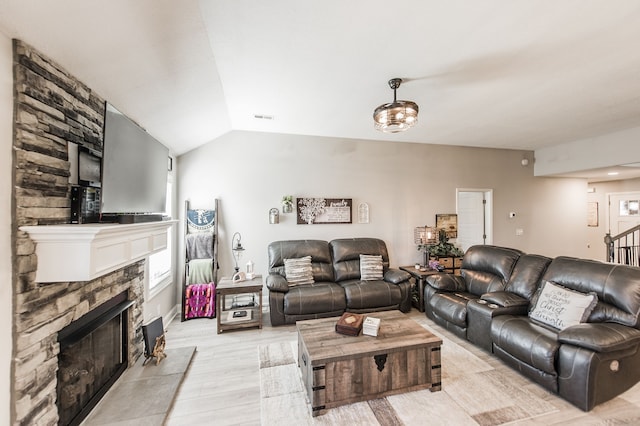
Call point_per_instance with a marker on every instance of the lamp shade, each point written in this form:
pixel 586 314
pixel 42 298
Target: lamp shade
pixel 396 116
pixel 426 235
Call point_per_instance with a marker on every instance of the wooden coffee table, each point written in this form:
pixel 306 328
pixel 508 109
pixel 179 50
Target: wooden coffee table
pixel 338 369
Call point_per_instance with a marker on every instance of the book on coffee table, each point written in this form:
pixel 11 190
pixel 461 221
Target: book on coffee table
pixel 371 326
pixel 350 324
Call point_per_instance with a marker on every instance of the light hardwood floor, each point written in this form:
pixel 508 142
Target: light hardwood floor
pixel 222 386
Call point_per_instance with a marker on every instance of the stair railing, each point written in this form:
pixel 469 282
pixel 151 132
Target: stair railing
pixel 625 247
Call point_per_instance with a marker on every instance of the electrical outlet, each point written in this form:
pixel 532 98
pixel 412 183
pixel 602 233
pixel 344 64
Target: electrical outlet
pixel 519 232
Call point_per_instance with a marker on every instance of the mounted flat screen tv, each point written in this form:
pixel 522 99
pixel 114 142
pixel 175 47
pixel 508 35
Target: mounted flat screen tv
pixel 134 168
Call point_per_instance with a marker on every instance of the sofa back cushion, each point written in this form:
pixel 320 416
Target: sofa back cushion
pixel 526 275
pixel 617 287
pixel 346 256
pixel 321 265
pixel 488 268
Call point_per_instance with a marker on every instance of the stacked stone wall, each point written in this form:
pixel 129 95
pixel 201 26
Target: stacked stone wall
pixel 52 108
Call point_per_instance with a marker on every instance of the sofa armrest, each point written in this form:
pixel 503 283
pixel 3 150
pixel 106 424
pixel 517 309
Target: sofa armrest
pixel 396 276
pixel 276 282
pixel 600 337
pixel 505 299
pixel 447 282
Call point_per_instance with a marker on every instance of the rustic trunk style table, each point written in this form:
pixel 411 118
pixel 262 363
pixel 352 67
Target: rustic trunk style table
pixel 338 369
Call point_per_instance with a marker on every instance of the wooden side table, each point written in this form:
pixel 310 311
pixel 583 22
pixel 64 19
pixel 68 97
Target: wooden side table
pixel 421 279
pixel 225 315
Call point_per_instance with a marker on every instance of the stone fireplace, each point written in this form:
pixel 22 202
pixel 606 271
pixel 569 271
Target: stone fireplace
pixel 54 307
pixel 52 108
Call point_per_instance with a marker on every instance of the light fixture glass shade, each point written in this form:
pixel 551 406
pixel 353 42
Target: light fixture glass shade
pixel 236 249
pixel 426 235
pixel 396 116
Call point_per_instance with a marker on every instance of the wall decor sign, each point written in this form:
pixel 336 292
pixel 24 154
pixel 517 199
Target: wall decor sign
pixel 448 222
pixel 363 213
pixel 592 213
pixel 323 210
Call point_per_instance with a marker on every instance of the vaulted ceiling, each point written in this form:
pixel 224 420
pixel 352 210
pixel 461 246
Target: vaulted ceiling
pixel 521 74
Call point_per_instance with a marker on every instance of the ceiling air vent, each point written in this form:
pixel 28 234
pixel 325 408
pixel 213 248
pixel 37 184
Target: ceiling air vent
pixel 263 116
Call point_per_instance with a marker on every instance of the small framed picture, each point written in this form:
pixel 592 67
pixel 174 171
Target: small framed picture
pixel 448 222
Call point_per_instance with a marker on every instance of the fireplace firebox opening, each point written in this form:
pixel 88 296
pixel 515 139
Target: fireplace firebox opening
pixel 93 355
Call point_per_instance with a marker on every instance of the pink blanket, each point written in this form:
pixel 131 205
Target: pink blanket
pixel 200 301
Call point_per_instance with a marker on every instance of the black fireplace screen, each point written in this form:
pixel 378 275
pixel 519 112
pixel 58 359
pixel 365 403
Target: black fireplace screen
pixel 91 359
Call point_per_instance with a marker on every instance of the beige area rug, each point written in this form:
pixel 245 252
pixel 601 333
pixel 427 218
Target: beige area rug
pixel 473 392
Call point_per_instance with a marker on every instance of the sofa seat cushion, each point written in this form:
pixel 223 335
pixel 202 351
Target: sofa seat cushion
pixel 314 298
pixel 532 344
pixel 451 306
pixel 371 294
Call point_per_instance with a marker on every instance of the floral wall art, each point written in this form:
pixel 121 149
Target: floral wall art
pixel 323 210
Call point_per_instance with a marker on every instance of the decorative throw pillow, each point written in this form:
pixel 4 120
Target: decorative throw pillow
pixel 560 307
pixel 370 267
pixel 298 271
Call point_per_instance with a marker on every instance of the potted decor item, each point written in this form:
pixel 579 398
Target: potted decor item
pixel 444 255
pixel 287 204
pixel 444 248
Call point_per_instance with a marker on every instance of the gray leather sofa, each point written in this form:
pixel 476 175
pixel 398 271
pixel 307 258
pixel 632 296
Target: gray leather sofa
pixel 490 305
pixel 337 286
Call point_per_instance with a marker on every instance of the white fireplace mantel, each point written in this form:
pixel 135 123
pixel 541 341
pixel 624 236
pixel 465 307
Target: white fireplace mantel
pixel 88 251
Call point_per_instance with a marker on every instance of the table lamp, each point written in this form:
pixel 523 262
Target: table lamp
pixel 425 237
pixel 236 248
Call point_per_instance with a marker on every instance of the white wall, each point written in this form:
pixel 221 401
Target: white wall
pixel 404 184
pixel 612 149
pixel 6 156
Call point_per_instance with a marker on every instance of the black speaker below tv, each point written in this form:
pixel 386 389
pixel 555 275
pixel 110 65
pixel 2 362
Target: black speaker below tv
pixel 85 204
pixel 139 218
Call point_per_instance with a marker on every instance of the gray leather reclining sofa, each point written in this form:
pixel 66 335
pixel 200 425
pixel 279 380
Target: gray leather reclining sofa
pixel 490 305
pixel 337 285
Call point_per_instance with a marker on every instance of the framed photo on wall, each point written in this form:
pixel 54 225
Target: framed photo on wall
pixel 448 222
